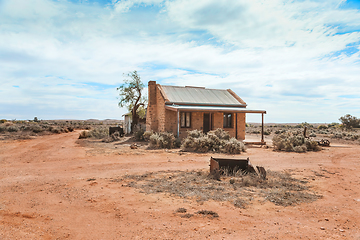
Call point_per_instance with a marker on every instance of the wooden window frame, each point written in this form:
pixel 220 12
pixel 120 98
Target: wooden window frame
pixel 185 122
pixel 226 118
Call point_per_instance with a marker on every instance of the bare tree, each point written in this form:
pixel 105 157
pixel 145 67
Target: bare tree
pixel 131 97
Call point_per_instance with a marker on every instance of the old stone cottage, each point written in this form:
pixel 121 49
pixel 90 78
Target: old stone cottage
pixel 180 109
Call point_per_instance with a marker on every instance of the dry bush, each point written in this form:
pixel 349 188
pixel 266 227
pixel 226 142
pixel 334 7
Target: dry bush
pixel 233 146
pixel 294 142
pixel 116 136
pixel 279 131
pixel 7 124
pixel 181 210
pixel 214 141
pixel 139 135
pixel 107 139
pixel 84 134
pixel 323 126
pixel 279 187
pixel 163 140
pixel 147 135
pixel 99 133
pixel 2 128
pixel 267 131
pixel 36 129
pixel 352 136
pixel 208 213
pixel 112 138
pixel 12 128
pixel 312 135
pixel 221 134
pixel 55 129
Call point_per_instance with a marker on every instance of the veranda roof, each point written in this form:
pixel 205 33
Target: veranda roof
pixel 199 108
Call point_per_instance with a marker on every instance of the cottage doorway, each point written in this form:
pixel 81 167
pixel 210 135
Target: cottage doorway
pixel 206 122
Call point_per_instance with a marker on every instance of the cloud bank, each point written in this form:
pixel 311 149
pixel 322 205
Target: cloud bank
pixel 299 60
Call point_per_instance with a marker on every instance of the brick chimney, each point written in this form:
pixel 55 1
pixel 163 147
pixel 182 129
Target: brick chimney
pixel 152 92
pixel 151 120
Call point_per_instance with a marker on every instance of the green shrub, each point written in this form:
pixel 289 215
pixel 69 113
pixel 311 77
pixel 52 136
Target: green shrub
pixel 195 133
pixel 300 149
pixel 349 121
pixel 221 134
pixel 294 142
pixel 312 145
pixel 3 120
pixel 163 140
pixel 233 146
pixel 214 141
pixel 2 129
pixel 322 127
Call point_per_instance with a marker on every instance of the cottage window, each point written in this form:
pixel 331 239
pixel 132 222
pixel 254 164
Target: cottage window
pixel 228 120
pixel 185 119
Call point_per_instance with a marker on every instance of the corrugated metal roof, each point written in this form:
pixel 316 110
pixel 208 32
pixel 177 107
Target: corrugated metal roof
pixel 201 96
pixel 212 109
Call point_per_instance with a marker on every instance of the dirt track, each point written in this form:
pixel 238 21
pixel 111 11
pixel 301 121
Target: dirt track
pixel 52 187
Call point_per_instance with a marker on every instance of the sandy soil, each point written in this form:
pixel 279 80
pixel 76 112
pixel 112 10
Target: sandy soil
pixel 58 187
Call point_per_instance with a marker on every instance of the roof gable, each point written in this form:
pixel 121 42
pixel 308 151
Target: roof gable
pixel 200 96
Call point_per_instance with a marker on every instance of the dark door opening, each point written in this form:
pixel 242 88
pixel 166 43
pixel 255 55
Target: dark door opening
pixel 206 124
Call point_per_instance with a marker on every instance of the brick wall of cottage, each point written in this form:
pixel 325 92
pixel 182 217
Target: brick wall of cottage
pixel 158 119
pixel 217 119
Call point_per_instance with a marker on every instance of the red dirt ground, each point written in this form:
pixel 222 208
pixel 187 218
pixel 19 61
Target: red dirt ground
pixel 45 194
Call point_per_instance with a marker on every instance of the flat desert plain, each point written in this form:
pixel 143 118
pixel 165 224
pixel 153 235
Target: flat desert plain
pixel 59 187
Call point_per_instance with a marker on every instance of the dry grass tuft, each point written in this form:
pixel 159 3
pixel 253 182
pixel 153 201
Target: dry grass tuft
pixel 208 213
pixel 239 189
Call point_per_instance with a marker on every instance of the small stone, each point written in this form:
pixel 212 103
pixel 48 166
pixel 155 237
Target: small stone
pixel 341 230
pixel 322 228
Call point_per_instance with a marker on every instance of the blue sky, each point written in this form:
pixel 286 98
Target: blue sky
pixel 63 59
